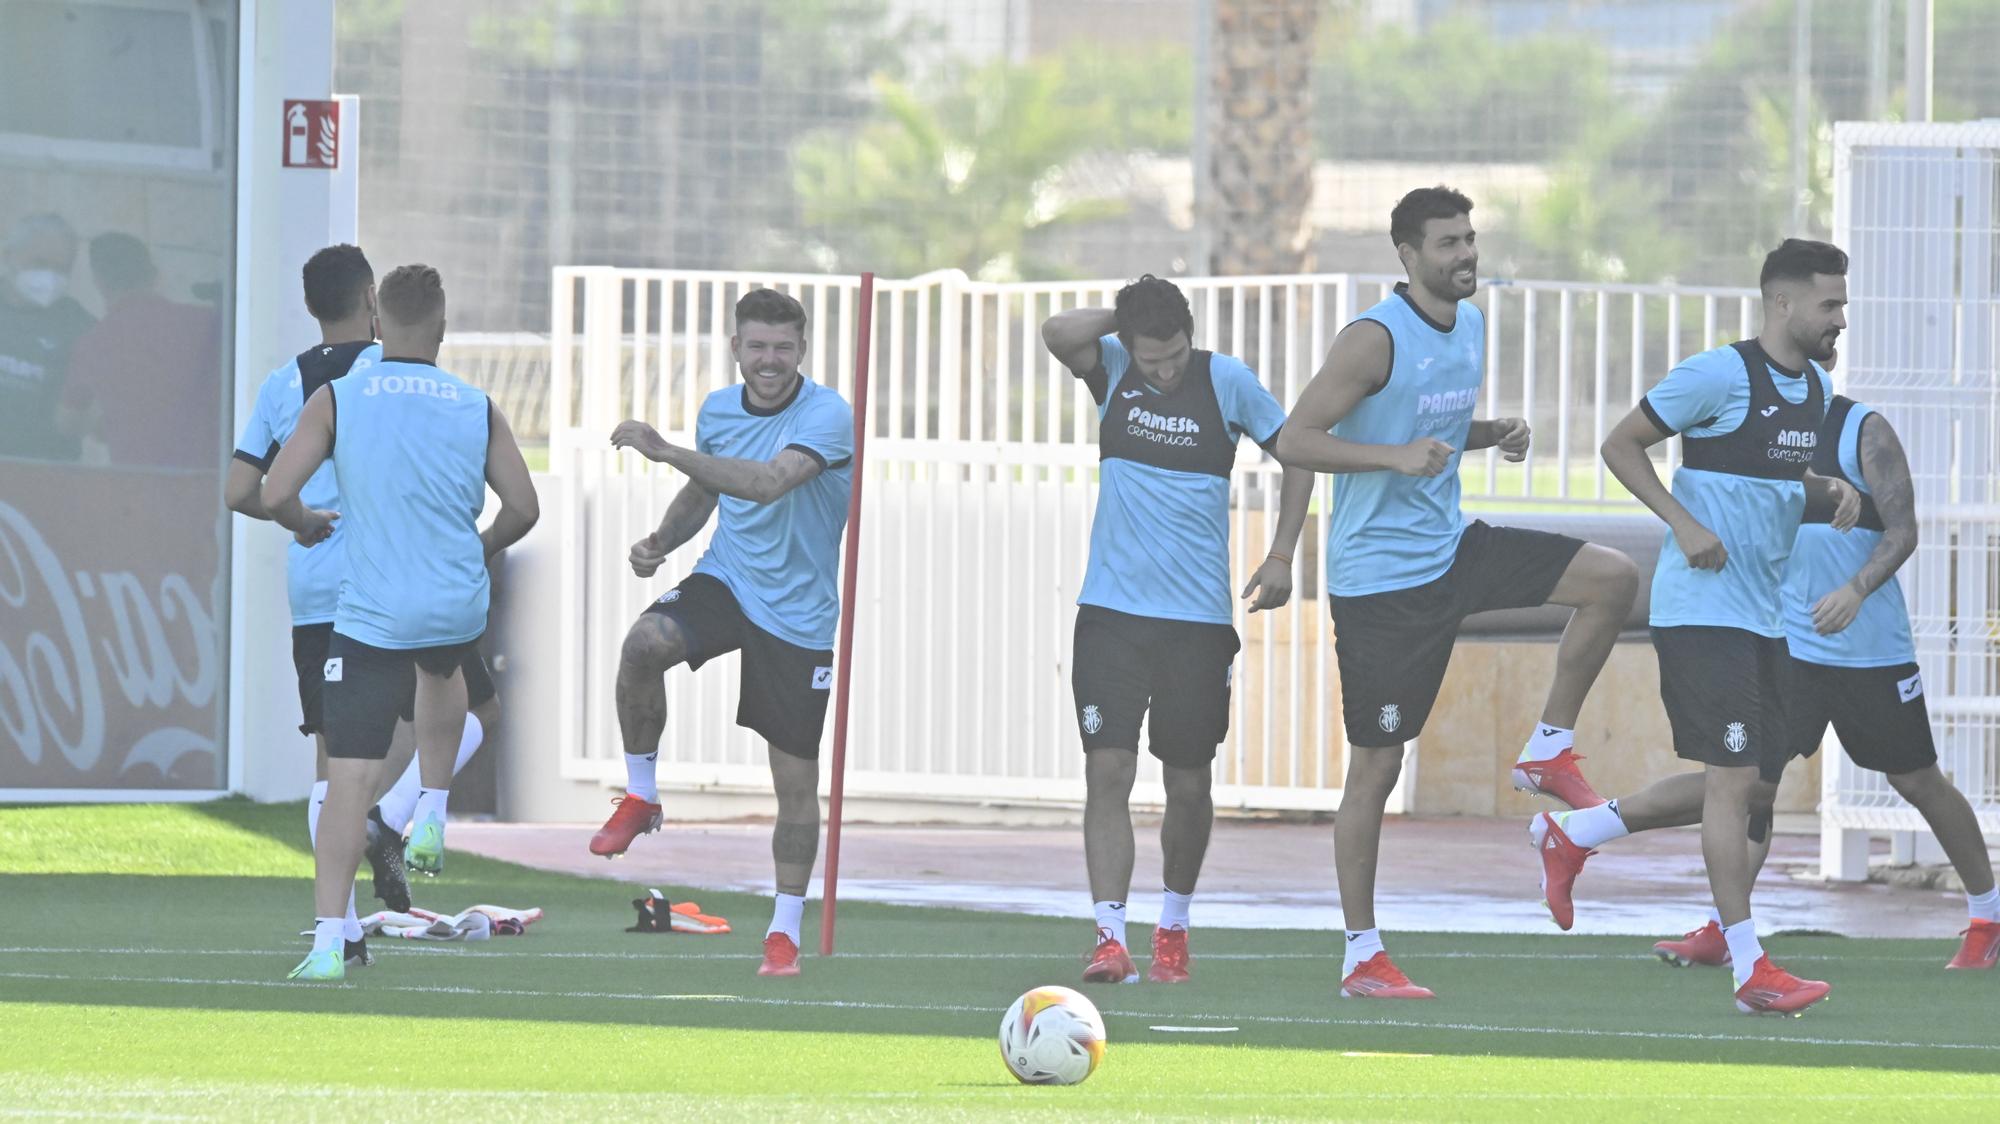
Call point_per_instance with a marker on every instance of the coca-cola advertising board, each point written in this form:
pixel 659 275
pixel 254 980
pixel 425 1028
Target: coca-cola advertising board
pixel 112 661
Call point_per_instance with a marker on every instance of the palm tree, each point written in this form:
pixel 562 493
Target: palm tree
pixel 1261 148
pixel 955 181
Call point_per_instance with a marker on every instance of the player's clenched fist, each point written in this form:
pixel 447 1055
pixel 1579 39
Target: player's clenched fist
pixel 1426 456
pixel 647 555
pixel 1703 549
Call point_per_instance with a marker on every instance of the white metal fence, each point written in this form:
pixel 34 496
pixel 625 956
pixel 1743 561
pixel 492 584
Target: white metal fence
pixel 979 487
pixel 1918 207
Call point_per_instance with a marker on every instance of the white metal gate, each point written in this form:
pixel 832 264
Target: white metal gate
pixel 980 483
pixel 1918 209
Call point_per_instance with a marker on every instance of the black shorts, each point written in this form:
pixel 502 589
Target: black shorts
pixel 309 652
pixel 1393 647
pixel 783 688
pixel 1172 674
pixel 369 688
pixel 1725 691
pixel 1878 712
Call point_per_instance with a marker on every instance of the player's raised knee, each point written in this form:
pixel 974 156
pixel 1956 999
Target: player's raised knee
pixel 654 644
pixel 1604 575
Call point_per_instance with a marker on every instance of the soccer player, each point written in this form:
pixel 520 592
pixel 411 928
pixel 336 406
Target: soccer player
pixel 775 456
pixel 1750 416
pixel 340 294
pixel 1854 667
pixel 1154 639
pixel 1390 413
pixel 413 448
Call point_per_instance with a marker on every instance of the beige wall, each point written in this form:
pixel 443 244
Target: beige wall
pixel 1491 699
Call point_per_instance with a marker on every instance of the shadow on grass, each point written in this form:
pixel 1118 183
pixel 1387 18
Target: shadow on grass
pixel 204 944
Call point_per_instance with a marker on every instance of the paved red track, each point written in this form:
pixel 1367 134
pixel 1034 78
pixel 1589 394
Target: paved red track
pixel 1476 875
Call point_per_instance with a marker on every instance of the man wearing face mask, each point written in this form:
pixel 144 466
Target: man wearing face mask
pixel 149 360
pixel 39 324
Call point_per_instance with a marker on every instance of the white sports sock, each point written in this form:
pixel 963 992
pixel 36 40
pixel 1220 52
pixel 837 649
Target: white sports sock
pixel 785 915
pixel 351 924
pixel 431 802
pixel 1592 827
pixel 1111 919
pixel 400 802
pixel 639 776
pixel 1174 910
pixel 327 933
pixel 1744 948
pixel 1985 907
pixel 1362 945
pixel 1547 741
pixel 313 804
pixel 468 742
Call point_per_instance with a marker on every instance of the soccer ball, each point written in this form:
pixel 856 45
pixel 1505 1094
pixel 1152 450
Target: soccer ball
pixel 1052 1036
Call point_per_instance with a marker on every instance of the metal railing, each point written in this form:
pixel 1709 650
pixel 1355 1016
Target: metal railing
pixel 981 481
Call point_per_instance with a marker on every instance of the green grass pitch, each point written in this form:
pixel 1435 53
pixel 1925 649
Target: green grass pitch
pixel 143 951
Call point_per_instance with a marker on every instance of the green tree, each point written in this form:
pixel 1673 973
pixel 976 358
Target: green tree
pixel 1456 92
pixel 958 181
pixel 1715 154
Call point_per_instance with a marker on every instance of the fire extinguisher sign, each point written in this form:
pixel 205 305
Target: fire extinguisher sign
pixel 312 133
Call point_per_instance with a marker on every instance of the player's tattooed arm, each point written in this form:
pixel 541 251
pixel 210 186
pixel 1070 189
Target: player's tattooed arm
pixel 1887 470
pixel 753 480
pixel 686 515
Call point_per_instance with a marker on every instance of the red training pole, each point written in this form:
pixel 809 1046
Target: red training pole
pixel 843 658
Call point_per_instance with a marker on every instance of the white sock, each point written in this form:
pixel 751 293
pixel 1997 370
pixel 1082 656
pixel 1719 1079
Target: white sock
pixel 1547 741
pixel 1111 919
pixel 1744 948
pixel 468 742
pixel 399 805
pixel 785 915
pixel 313 804
pixel 327 933
pixel 639 776
pixel 400 802
pixel 350 928
pixel 1985 907
pixel 431 802
pixel 1592 827
pixel 1362 945
pixel 1174 910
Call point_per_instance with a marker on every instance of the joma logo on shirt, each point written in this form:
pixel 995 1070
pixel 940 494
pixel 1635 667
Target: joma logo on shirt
pixel 1142 416
pixel 1447 401
pixel 410 384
